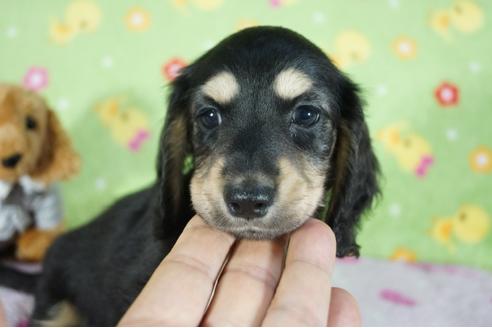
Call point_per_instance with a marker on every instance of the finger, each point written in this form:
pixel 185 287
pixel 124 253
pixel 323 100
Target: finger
pixel 177 294
pixel 303 294
pixel 247 284
pixel 344 310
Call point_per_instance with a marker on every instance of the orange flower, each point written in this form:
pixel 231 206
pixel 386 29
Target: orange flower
pixel 405 47
pixel 480 159
pixel 137 19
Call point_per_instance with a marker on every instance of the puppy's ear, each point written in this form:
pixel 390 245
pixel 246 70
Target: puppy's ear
pixel 353 184
pixel 58 159
pixel 174 201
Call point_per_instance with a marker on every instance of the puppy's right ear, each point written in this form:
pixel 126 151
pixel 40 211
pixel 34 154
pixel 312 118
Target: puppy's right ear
pixel 174 201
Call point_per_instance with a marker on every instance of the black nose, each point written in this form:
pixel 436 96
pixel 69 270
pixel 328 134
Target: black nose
pixel 249 202
pixel 11 161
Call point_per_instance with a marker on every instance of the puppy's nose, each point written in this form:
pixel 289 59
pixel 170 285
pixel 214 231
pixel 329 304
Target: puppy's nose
pixel 249 203
pixel 11 161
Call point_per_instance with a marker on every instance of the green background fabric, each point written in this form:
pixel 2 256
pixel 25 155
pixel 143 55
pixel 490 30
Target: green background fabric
pixel 425 68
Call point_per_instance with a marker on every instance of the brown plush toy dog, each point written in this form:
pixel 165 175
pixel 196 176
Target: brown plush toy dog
pixel 35 152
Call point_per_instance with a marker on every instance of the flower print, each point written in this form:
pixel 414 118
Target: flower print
pixel 405 47
pixel 170 69
pixel 36 78
pixel 447 94
pixel 137 19
pixel 480 160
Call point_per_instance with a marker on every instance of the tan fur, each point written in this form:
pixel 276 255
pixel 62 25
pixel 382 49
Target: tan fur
pixel 47 154
pixel 222 87
pixel 177 151
pixel 291 83
pixel 33 244
pixel 63 314
pixel 206 191
pixel 300 189
pixel 342 149
pixel 58 160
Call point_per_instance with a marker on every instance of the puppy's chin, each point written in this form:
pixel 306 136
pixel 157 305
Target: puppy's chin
pixel 257 233
pixel 254 229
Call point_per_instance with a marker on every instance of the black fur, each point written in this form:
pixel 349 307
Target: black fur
pixel 15 279
pixel 353 184
pixel 100 268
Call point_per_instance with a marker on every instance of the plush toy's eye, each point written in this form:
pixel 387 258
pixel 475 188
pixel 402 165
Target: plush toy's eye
pixel 209 118
pixel 305 115
pixel 31 123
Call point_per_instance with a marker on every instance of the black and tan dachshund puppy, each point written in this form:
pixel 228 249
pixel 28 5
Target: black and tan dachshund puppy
pixel 277 135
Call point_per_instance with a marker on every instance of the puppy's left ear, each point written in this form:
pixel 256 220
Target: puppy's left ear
pixel 58 160
pixel 174 207
pixel 353 184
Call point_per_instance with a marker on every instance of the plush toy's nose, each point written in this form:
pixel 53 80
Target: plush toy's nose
pixel 11 161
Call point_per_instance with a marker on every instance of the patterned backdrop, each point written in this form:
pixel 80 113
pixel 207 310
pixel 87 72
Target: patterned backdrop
pixel 425 68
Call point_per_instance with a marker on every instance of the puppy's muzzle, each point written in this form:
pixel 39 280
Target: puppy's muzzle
pixel 11 162
pixel 249 200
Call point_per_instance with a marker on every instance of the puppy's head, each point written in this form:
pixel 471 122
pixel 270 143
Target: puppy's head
pixel 32 141
pixel 277 135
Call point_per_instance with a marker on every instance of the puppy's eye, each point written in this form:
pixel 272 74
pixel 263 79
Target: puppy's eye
pixel 209 118
pixel 305 115
pixel 31 123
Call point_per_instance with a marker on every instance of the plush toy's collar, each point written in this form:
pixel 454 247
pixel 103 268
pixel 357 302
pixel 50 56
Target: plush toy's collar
pixel 4 189
pixel 28 185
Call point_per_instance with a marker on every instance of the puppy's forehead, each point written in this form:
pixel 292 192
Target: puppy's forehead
pixel 287 84
pixel 221 87
pixel 291 83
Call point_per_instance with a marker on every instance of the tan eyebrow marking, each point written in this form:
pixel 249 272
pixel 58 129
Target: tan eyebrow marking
pixel 222 87
pixel 291 83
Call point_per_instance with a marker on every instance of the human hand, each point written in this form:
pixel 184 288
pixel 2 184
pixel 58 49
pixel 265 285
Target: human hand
pixel 260 284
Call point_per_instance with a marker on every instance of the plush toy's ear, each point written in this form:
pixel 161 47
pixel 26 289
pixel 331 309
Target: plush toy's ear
pixel 353 184
pixel 58 160
pixel 174 208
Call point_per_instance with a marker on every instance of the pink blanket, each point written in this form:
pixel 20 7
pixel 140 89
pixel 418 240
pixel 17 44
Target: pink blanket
pixel 389 294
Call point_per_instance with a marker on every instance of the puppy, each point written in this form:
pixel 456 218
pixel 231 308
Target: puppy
pixel 277 135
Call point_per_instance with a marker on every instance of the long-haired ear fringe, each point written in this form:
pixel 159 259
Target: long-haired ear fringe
pixel 58 160
pixel 354 182
pixel 174 200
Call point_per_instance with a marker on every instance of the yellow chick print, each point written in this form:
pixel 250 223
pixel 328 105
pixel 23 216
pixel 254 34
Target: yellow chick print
pixel 412 151
pixel 470 225
pixel 208 5
pixel 442 230
pixel 403 254
pixel 465 16
pixel 351 47
pixel 83 15
pixel 61 32
pixel 440 21
pixel 80 16
pixel 128 125
pixel 246 23
pixel 204 5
